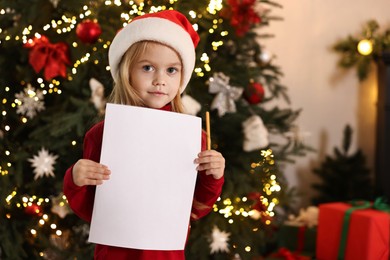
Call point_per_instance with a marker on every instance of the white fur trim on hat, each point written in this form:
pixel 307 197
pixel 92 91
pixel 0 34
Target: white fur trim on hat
pixel 158 30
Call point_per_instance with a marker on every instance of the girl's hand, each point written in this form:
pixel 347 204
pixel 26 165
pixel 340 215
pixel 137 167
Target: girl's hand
pixel 87 172
pixel 212 162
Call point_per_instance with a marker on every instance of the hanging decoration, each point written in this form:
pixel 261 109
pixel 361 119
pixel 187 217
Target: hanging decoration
pixel 55 3
pixel 60 206
pixel 255 134
pixel 29 102
pixel 219 241
pixel 97 95
pixel 88 31
pixel 242 15
pixel 43 164
pixel 254 93
pixel 257 201
pixel 360 51
pixel 191 106
pixel 307 217
pixel 265 56
pixel 52 58
pixel 297 135
pixel 226 94
pixel 33 209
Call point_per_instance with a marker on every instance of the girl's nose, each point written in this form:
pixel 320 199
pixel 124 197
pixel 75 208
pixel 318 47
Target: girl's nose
pixel 159 79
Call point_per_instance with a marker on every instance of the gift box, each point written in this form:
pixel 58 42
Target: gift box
pixel 285 254
pixel 366 237
pixel 298 238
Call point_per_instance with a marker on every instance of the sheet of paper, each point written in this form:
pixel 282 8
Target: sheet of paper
pixel 146 204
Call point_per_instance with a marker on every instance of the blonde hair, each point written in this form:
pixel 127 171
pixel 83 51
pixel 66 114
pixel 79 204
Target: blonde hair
pixel 123 92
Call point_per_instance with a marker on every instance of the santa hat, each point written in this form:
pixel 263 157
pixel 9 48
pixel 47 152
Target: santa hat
pixel 168 27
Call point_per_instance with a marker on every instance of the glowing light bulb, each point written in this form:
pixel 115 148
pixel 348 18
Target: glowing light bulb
pixel 365 47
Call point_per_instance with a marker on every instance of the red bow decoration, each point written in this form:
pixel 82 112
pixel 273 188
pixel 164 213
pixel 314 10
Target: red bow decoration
pixel 258 204
pixel 52 57
pixel 243 15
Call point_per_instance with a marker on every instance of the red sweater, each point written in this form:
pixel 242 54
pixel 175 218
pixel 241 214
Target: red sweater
pixel 81 199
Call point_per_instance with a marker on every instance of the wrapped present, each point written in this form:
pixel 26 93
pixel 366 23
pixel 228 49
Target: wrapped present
pixel 299 233
pixel 285 254
pixel 300 239
pixel 352 232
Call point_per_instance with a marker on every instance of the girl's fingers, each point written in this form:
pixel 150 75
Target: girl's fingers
pixel 87 172
pixel 209 166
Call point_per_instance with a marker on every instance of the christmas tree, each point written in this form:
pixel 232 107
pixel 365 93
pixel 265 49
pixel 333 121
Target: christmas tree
pixel 54 80
pixel 344 176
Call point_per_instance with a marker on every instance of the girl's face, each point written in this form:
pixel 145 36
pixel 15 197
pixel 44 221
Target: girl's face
pixel 156 75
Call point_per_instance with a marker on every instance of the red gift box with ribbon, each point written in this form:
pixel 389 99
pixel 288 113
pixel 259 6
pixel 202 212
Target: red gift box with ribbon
pixel 352 232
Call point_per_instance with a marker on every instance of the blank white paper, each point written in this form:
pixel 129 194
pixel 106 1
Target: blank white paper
pixel 147 202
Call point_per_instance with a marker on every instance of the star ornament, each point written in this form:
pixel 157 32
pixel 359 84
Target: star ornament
pixel 60 206
pixel 43 163
pixel 219 241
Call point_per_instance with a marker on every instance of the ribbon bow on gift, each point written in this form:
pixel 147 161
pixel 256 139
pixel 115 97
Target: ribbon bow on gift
pixel 379 204
pixel 226 94
pixel 52 57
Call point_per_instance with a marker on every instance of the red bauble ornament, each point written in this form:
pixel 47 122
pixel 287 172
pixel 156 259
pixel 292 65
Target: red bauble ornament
pixel 33 210
pixel 254 94
pixel 88 31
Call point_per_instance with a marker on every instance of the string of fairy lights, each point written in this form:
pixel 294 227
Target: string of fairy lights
pixel 227 208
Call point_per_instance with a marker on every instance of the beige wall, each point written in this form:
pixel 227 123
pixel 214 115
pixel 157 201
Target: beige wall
pixel 329 97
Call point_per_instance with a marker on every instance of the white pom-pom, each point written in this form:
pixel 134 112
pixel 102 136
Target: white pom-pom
pixel 191 106
pixel 255 134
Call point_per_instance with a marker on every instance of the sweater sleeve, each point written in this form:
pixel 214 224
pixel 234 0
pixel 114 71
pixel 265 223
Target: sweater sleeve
pixel 81 199
pixel 207 191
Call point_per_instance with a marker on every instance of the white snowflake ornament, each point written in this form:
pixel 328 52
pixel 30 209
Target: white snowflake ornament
pixel 255 134
pixel 191 106
pixel 29 102
pixel 43 164
pixel 219 241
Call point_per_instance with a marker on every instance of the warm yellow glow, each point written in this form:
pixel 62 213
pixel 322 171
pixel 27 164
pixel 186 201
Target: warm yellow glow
pixel 9 197
pixel 365 47
pixel 214 6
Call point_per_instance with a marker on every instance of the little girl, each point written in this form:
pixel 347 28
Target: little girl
pixel 151 62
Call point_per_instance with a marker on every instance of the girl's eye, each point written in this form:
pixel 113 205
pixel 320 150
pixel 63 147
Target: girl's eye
pixel 147 68
pixel 172 70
